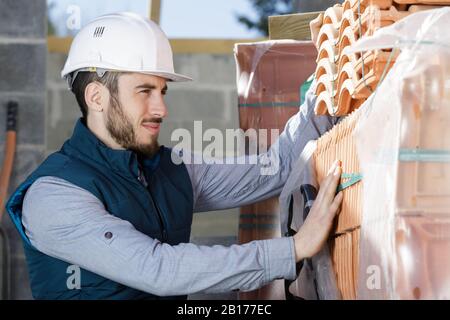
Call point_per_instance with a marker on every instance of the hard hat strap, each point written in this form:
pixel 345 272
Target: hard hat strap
pixel 72 76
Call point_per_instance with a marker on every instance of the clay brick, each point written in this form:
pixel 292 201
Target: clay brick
pixel 269 75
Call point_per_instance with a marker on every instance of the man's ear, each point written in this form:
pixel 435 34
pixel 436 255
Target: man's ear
pixel 94 95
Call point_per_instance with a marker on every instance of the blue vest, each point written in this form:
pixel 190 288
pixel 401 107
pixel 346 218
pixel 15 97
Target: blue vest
pixel 162 210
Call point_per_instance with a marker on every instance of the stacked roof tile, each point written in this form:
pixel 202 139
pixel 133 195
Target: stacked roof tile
pixel 346 79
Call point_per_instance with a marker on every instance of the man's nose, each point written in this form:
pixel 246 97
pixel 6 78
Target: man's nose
pixel 158 108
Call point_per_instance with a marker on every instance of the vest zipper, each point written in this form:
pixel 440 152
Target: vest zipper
pixel 143 181
pixel 161 221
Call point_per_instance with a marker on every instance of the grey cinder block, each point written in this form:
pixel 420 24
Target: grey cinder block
pixel 22 67
pixel 23 18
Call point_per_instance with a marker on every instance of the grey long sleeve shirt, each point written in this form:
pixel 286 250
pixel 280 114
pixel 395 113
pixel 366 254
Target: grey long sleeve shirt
pixel 67 222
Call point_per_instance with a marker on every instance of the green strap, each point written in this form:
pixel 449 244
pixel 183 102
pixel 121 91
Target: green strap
pixel 353 178
pixel 424 155
pixel 305 87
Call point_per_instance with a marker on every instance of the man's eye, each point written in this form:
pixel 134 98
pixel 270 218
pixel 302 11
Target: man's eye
pixel 145 91
pixel 164 92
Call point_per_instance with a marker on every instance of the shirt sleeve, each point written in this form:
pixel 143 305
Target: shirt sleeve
pixel 222 186
pixel 69 223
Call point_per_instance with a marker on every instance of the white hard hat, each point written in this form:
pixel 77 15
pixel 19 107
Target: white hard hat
pixel 122 41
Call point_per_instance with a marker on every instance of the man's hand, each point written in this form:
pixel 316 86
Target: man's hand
pixel 314 231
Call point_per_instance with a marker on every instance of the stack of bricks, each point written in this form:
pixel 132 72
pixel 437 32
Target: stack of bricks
pixel 339 143
pixel 345 81
pixel 422 214
pixel 269 77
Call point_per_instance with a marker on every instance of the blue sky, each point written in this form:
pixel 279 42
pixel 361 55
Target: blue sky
pixel 179 18
pixel 205 18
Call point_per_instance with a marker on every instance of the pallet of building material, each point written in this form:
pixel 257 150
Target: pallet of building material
pixel 269 79
pixel 339 143
pixel 357 19
pixel 405 227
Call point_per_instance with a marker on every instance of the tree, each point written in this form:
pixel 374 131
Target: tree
pixel 264 9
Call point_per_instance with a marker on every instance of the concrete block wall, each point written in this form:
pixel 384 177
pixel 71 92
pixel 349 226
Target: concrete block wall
pixel 23 51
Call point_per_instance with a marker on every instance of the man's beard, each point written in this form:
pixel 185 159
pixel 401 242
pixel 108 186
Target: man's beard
pixel 122 131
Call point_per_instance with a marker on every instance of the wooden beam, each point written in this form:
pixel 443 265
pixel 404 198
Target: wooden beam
pixel 211 46
pixel 155 10
pixel 291 26
pixel 59 44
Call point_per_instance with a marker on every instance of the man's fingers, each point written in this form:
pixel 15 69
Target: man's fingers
pixel 328 179
pixel 331 186
pixel 333 167
pixel 334 208
pixel 325 185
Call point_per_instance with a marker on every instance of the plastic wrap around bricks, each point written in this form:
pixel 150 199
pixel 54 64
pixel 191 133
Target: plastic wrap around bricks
pixel 423 188
pixel 422 218
pixel 345 79
pixel 269 78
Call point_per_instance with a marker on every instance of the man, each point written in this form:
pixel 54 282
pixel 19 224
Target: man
pixel 112 203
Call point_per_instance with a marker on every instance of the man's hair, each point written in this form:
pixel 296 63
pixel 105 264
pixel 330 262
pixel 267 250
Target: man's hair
pixel 109 80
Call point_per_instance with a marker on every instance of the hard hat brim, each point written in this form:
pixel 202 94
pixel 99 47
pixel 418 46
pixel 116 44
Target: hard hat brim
pixel 175 77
